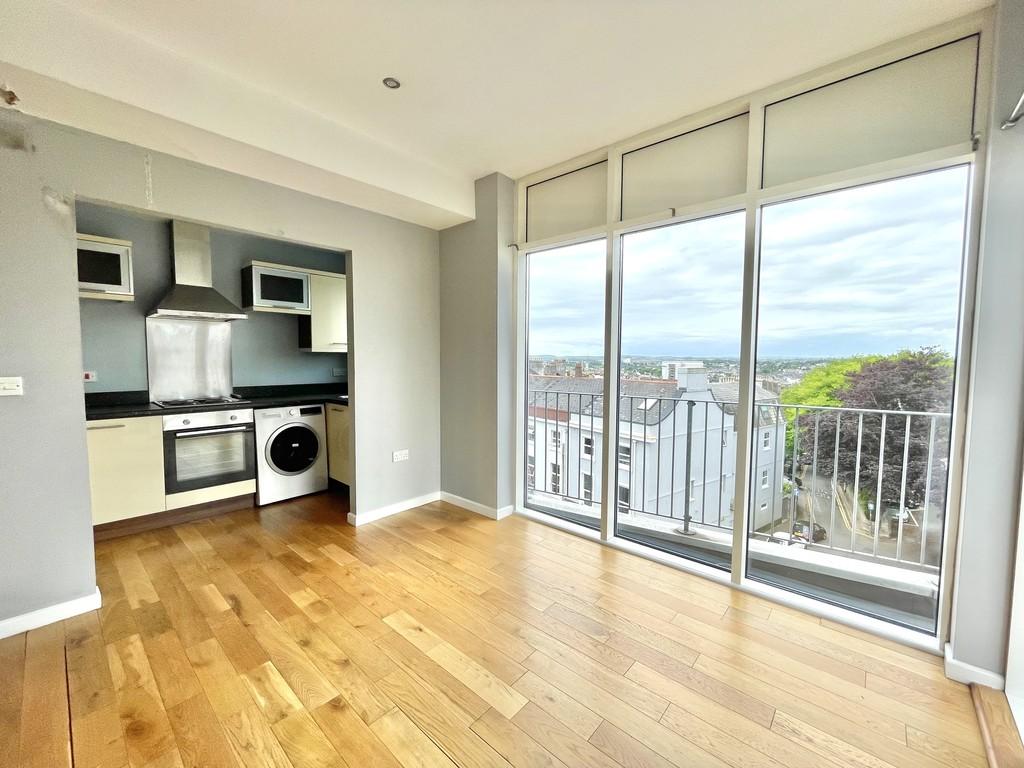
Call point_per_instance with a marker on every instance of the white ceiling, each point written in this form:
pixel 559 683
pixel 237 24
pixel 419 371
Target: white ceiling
pixel 510 86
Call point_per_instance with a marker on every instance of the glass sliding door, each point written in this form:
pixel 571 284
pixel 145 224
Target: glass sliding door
pixel 565 381
pixel 857 327
pixel 682 291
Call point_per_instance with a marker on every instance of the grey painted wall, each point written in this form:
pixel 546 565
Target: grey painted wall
pixel 264 347
pixel 46 554
pixel 46 550
pixel 478 350
pixel 993 462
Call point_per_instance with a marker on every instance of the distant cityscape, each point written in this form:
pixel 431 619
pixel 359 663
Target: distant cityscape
pixel 773 374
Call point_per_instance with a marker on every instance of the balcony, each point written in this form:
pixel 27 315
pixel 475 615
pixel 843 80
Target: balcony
pixel 847 505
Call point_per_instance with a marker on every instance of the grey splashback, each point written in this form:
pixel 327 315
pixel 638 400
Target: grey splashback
pixel 264 347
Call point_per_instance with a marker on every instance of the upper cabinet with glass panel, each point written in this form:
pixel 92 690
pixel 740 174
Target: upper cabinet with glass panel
pixel 706 164
pixel 917 104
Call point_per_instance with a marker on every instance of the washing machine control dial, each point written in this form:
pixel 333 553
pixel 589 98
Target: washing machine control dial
pixel 292 411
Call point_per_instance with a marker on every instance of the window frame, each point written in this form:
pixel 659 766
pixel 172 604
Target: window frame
pixel 627 462
pixel 971 151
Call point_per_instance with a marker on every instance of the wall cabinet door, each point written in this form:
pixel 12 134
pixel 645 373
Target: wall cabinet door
pixel 339 460
pixel 328 317
pixel 126 468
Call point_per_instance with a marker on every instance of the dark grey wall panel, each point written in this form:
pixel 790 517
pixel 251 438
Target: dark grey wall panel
pixel 264 347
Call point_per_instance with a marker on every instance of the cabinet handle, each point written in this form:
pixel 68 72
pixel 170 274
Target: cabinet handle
pixel 106 426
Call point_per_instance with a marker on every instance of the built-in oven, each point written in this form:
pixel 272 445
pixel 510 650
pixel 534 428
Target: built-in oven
pixel 206 449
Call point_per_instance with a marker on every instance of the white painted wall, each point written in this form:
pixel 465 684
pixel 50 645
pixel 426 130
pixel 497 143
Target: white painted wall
pixel 989 519
pixel 1015 643
pixel 394 373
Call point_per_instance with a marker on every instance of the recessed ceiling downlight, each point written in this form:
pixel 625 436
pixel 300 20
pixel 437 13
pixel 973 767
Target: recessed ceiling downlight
pixel 392 83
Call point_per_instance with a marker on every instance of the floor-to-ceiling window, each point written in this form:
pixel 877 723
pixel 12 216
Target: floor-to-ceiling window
pixel 770 294
pixel 858 311
pixel 682 294
pixel 565 381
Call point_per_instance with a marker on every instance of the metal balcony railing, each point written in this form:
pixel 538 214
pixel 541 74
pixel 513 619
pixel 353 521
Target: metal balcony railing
pixel 862 483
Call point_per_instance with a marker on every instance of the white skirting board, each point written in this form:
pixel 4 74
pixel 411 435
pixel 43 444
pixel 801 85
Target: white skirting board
pixel 392 509
pixel 43 616
pixel 474 506
pixel 963 672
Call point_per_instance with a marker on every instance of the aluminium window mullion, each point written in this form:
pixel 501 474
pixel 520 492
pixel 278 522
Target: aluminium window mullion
pixel 610 444
pixel 748 343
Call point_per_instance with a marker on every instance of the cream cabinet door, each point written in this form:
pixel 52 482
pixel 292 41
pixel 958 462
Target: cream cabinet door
pixel 126 467
pixel 339 460
pixel 328 305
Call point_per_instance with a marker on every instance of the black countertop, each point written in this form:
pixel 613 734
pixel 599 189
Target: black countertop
pixel 123 405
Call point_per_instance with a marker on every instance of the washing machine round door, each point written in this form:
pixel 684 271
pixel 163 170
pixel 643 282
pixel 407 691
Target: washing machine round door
pixel 292 449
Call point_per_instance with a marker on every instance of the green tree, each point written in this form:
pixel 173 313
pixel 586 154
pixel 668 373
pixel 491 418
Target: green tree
pixel 912 381
pixel 820 386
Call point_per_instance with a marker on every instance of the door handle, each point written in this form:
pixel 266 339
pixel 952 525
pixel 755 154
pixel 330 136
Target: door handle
pixel 105 426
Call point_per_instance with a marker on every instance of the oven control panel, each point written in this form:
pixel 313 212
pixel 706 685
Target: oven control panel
pixel 207 419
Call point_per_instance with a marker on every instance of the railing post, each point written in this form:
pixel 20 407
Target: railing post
pixel 689 447
pixel 835 485
pixel 878 492
pixel 903 491
pixel 927 491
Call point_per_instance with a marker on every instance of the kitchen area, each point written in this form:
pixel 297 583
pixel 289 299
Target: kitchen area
pixel 215 369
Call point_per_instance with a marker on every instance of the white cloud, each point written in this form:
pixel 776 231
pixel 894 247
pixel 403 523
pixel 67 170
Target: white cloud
pixel 870 269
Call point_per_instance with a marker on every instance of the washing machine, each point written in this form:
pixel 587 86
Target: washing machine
pixel 291 452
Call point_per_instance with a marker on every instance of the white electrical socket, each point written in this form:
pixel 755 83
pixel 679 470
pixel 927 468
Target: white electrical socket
pixel 402 455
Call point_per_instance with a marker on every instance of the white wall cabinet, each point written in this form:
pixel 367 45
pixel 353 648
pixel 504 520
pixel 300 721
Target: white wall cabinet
pixel 339 457
pixel 326 329
pixel 126 467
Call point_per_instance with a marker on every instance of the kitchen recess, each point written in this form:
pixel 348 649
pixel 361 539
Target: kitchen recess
pixel 215 368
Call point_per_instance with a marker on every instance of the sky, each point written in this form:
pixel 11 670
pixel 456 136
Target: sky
pixel 872 269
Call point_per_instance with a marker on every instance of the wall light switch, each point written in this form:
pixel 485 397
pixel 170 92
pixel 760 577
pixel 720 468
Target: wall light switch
pixel 89 376
pixel 402 455
pixel 12 386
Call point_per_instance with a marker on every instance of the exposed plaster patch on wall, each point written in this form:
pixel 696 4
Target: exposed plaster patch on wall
pixel 147 164
pixel 9 97
pixel 57 203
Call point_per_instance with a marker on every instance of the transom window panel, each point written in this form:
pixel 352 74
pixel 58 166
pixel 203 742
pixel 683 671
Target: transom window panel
pixel 567 203
pixel 917 104
pixel 701 165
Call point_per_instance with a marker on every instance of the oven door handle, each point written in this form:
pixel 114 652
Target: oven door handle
pixel 219 431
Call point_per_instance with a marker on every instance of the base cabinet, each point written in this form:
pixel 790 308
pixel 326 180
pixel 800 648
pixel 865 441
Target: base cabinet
pixel 126 467
pixel 339 457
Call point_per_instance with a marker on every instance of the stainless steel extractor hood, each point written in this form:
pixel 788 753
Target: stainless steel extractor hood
pixel 192 295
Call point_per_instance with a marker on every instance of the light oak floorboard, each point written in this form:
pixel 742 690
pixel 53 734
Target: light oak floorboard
pixel 284 637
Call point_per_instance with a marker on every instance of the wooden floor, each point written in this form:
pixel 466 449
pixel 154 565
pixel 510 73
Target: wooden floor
pixel 285 637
